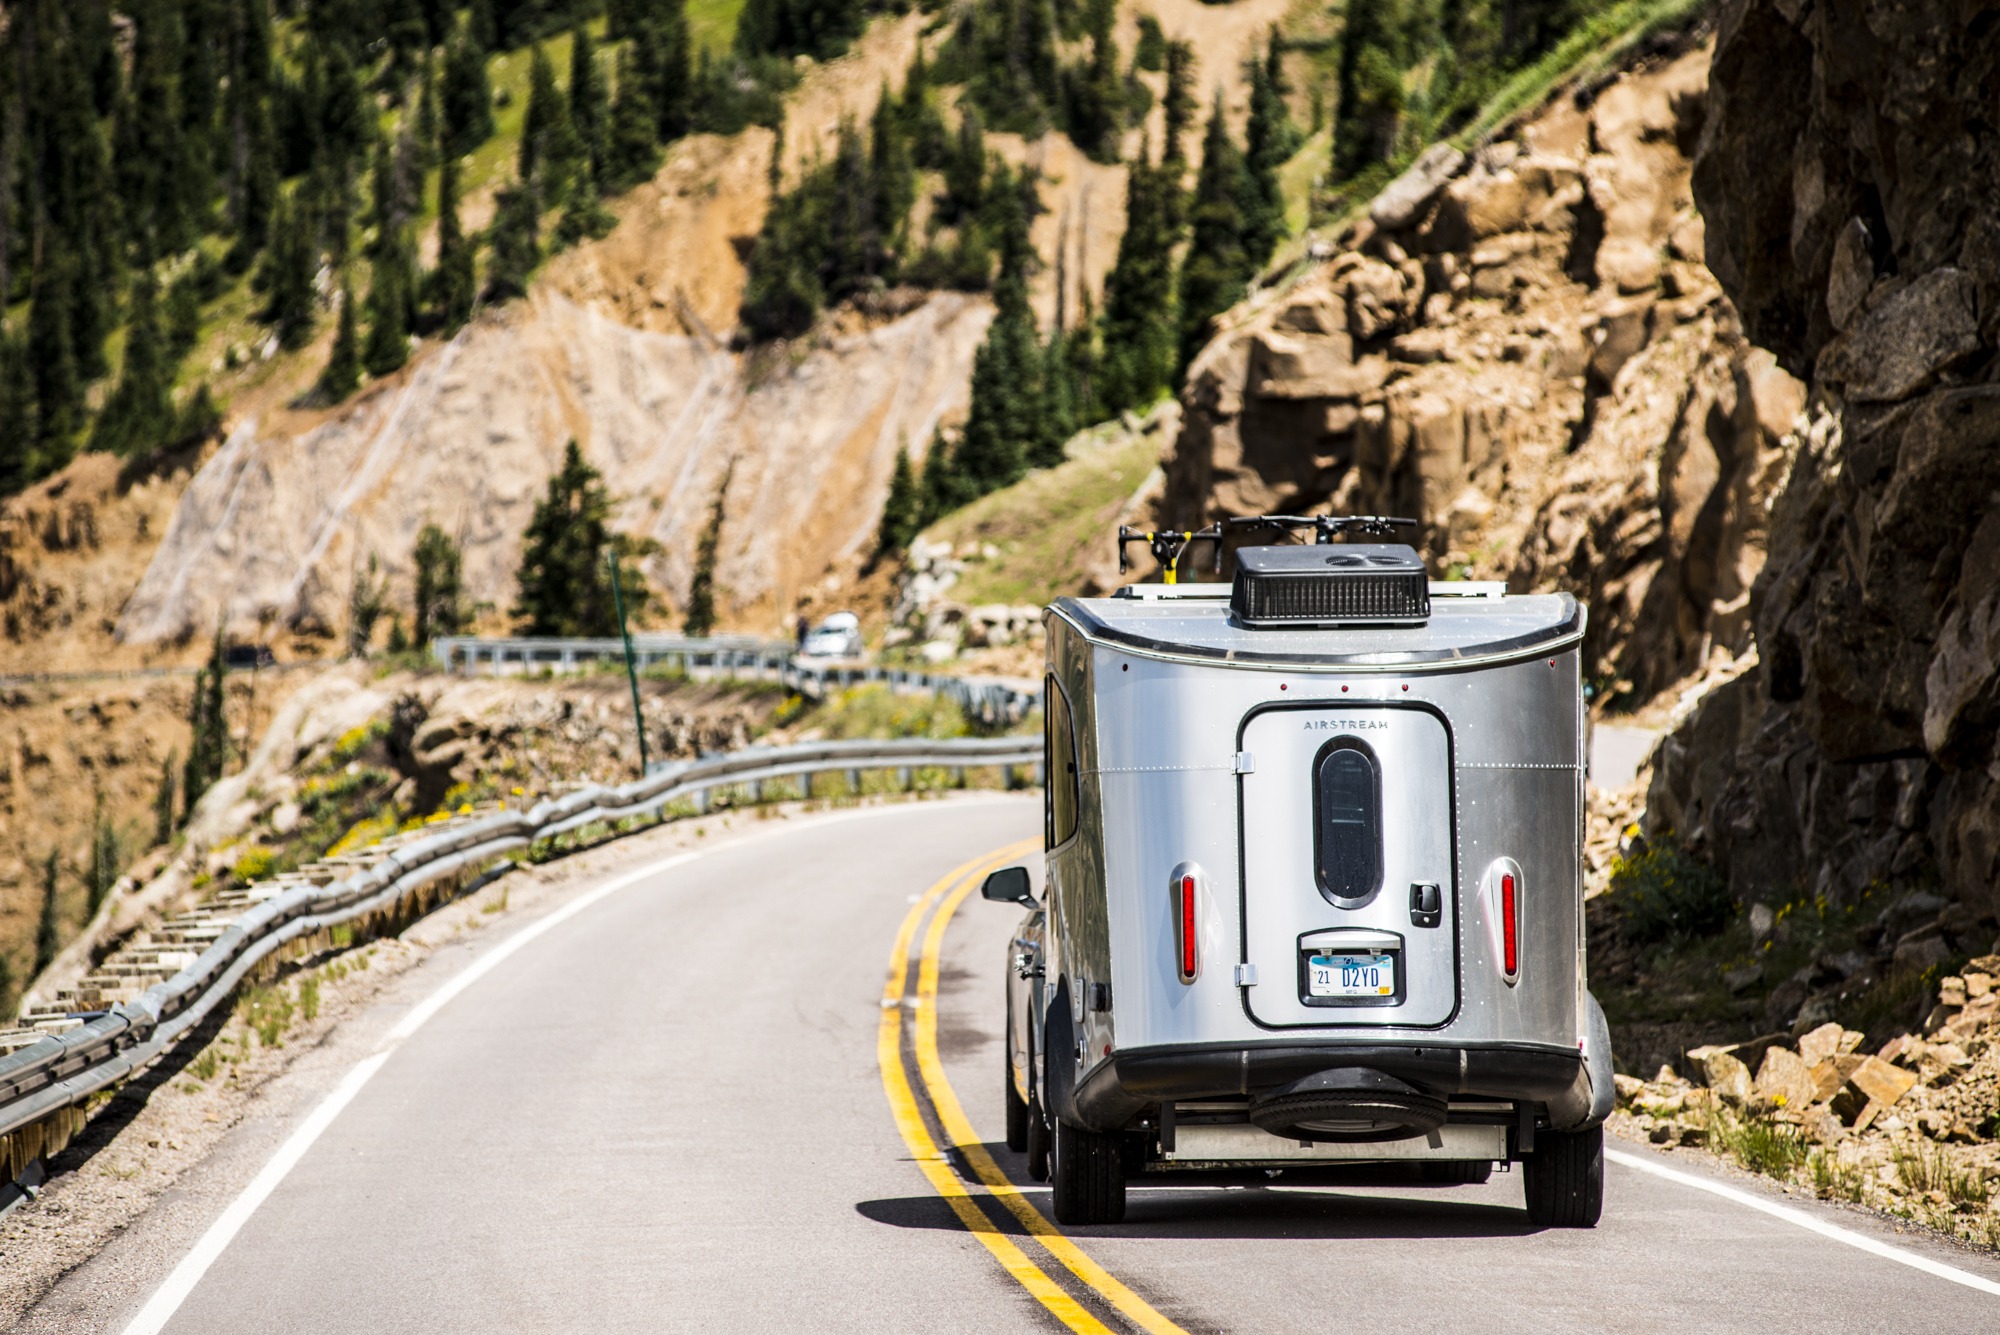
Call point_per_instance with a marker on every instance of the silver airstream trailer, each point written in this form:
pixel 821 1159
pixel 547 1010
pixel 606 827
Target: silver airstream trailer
pixel 1313 891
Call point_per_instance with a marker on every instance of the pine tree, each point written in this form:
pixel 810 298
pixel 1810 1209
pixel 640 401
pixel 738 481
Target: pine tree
pixel 367 599
pixel 672 69
pixel 515 241
pixel 1056 417
pixel 1096 100
pixel 1215 268
pixel 208 748
pixel 466 99
pixel 585 218
pixel 389 309
pixel 256 186
pixel 893 173
pixel 139 414
pixel 993 450
pixel 440 587
pixel 1138 322
pixel 287 280
pixel 17 416
pixel 51 352
pixel 632 154
pixel 183 313
pixel 481 27
pixel 1179 103
pixel 342 375
pixel 700 620
pixel 1371 92
pixel 163 800
pixel 153 154
pixel 921 122
pixel 942 491
pixel 452 285
pixel 550 149
pixel 105 856
pixel 965 168
pixel 1271 139
pixel 903 509
pixel 589 102
pixel 565 585
pixel 48 930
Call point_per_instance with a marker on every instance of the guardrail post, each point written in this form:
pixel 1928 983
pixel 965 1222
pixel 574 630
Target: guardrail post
pixel 905 777
pixel 854 783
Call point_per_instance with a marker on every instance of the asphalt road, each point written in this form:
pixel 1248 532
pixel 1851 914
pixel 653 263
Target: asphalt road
pixel 666 1113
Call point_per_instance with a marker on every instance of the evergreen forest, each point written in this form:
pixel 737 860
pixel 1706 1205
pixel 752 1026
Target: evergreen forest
pixel 163 162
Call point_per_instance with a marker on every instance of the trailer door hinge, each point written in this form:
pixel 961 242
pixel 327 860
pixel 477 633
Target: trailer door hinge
pixel 1246 975
pixel 1246 763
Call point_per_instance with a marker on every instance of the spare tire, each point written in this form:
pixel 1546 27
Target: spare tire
pixel 1346 1105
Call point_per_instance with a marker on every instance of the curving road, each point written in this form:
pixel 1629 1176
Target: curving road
pixel 659 1107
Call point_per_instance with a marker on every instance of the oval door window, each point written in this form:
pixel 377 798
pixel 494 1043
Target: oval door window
pixel 1347 826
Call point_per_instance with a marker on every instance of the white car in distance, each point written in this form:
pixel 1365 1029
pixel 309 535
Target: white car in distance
pixel 838 636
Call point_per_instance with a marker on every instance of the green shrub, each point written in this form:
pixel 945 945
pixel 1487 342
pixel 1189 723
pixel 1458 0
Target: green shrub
pixel 1663 894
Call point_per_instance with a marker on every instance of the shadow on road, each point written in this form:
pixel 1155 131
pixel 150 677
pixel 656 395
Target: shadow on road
pixel 1250 1212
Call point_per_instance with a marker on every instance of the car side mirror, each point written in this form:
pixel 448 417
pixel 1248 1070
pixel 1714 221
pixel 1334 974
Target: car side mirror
pixel 1009 885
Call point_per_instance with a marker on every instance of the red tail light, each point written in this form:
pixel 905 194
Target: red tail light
pixel 1187 927
pixel 1185 894
pixel 1508 936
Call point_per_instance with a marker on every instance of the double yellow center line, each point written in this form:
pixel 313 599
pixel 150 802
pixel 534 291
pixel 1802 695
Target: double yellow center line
pixel 946 896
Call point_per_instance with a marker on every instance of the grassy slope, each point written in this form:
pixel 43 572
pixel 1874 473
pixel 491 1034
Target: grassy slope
pixel 1054 525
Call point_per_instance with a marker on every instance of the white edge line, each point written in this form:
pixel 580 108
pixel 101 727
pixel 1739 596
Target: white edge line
pixel 167 1299
pixel 1801 1219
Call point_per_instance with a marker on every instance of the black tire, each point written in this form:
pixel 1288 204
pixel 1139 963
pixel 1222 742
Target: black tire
pixel 1565 1179
pixel 1038 1143
pixel 1017 1110
pixel 1456 1172
pixel 1089 1175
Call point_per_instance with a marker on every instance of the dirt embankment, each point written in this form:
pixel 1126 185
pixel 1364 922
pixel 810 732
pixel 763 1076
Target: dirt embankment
pixel 334 756
pixel 83 762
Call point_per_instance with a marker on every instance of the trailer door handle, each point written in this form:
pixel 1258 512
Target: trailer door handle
pixel 1426 904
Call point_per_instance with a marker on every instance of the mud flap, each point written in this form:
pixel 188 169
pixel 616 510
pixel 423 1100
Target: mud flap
pixel 1059 1061
pixel 1589 1100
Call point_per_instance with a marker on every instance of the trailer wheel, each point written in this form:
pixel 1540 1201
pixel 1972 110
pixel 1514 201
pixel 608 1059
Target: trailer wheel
pixel 1565 1178
pixel 1456 1172
pixel 1089 1174
pixel 1017 1107
pixel 1038 1142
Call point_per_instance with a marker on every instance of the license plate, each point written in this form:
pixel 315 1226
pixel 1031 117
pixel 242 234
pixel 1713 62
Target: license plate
pixel 1351 975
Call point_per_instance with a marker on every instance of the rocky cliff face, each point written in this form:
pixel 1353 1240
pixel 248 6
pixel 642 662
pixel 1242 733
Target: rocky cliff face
pixel 1525 351
pixel 272 528
pixel 1848 174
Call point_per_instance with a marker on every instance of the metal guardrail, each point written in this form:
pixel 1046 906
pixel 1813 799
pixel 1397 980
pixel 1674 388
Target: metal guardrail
pixel 993 703
pixel 65 1069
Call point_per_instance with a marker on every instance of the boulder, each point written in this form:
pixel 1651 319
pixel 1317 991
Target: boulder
pixel 1406 197
pixel 1727 1076
pixel 1783 1079
pixel 1880 1082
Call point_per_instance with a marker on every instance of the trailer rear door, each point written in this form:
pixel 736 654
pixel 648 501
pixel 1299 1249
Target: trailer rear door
pixel 1350 904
